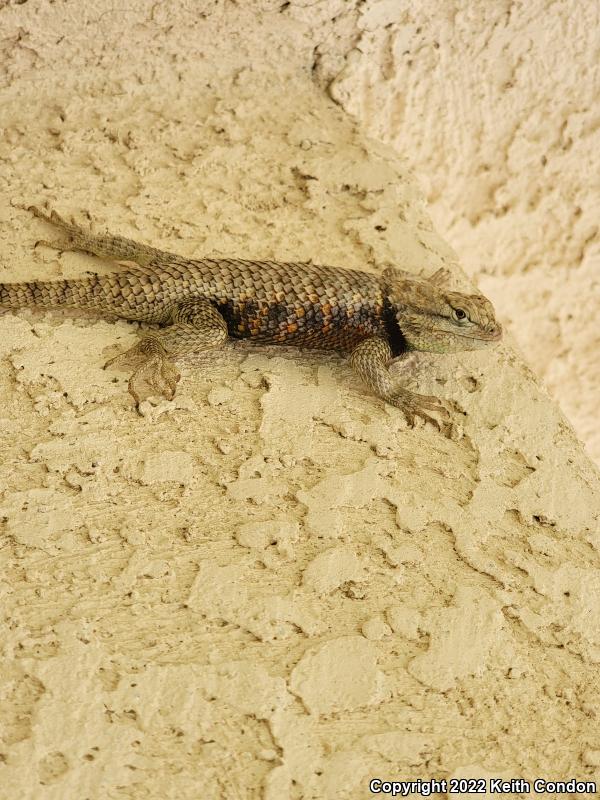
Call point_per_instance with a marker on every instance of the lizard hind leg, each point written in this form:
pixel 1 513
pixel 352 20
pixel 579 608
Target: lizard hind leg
pixel 107 245
pixel 195 326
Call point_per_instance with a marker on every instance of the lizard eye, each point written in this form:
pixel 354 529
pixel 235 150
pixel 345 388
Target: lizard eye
pixel 459 314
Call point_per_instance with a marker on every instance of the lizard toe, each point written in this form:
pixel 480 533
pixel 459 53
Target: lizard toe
pixel 60 245
pixel 154 373
pixel 429 409
pixel 47 216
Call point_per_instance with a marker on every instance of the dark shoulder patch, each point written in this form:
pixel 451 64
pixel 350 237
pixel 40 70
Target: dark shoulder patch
pixel 392 329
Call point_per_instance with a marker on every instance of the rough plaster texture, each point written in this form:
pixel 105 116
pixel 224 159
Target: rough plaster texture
pixel 495 105
pixel 268 588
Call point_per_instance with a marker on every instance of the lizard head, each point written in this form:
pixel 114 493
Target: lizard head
pixel 436 320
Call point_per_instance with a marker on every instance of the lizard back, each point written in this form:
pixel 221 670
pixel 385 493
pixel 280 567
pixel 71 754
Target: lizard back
pixel 286 303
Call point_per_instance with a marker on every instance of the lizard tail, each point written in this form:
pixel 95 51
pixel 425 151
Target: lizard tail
pixel 123 295
pixel 43 294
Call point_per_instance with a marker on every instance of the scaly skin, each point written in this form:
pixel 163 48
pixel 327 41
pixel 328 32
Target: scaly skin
pixel 205 301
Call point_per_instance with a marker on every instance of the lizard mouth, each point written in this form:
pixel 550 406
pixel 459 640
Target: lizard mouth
pixel 493 335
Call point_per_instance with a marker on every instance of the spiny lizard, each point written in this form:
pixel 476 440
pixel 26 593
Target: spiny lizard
pixel 375 318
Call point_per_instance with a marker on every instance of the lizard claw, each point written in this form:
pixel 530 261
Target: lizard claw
pixel 155 375
pixel 59 245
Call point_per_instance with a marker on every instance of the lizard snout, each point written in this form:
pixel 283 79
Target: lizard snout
pixel 494 332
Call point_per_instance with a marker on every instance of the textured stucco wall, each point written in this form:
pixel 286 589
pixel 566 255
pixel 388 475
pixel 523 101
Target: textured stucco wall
pixel 495 105
pixel 270 587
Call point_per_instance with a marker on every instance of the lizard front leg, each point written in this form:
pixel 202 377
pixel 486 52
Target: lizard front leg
pixel 195 326
pixel 371 360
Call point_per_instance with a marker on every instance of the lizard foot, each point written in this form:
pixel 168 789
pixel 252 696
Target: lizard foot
pixel 156 374
pixel 441 277
pixel 423 406
pixel 75 237
pixel 51 217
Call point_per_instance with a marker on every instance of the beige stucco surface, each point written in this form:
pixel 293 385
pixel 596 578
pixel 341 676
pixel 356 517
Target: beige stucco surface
pixel 269 587
pixel 495 106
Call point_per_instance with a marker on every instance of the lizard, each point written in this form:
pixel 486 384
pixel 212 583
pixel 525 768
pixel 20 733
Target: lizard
pixel 377 319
